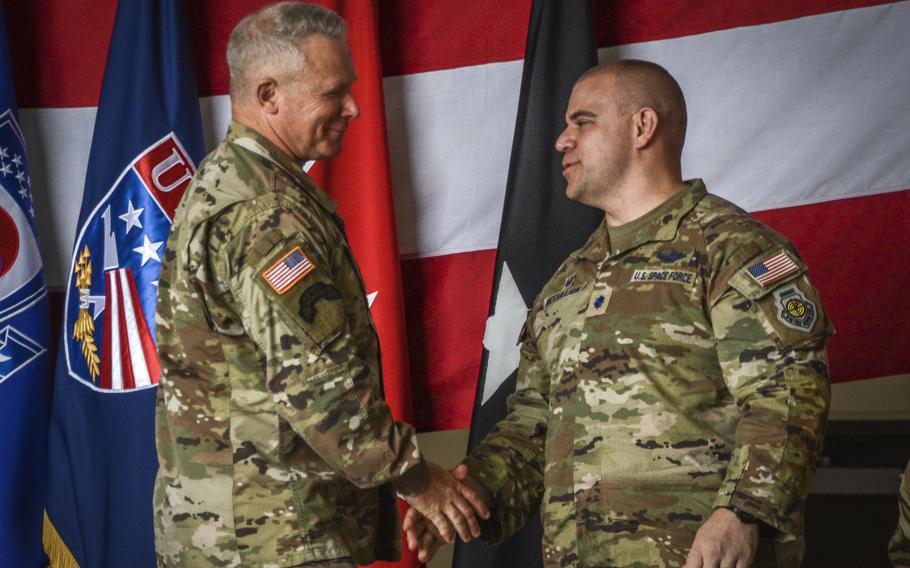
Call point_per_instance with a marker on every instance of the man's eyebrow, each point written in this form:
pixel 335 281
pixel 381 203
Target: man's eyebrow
pixel 582 113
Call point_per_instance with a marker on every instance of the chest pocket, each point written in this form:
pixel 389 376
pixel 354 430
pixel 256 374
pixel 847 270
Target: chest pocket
pixel 558 324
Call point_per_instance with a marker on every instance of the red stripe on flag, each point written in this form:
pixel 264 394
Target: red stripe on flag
pixel 107 340
pixel 126 361
pixel 447 299
pixel 419 36
pixel 360 181
pixel 841 241
pixel 847 245
pixel 416 36
pixel 149 351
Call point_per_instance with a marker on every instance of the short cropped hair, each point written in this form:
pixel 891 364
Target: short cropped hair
pixel 642 84
pixel 276 34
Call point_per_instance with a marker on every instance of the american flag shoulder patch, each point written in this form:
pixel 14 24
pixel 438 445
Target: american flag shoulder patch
pixel 773 269
pixel 289 270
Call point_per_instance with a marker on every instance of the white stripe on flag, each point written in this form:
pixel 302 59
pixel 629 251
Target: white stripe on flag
pixel 114 317
pixel 136 355
pixel 794 112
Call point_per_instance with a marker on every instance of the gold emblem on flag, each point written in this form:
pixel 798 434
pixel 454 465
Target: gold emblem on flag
pixel 84 328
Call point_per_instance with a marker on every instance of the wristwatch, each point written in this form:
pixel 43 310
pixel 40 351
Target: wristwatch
pixel 743 516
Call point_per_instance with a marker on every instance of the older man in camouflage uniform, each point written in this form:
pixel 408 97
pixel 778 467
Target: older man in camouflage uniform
pixel 673 385
pixel 275 445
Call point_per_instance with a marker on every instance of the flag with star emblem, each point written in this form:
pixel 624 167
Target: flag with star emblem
pixel 540 227
pixel 25 377
pixel 147 138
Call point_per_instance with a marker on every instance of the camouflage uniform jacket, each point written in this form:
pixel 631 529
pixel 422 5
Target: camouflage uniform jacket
pixel 899 547
pixel 660 379
pixel 274 440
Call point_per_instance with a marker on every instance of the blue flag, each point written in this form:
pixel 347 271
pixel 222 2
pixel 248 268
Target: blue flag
pixel 147 138
pixel 25 375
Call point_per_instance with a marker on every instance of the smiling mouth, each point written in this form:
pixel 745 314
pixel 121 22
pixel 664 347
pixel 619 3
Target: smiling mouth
pixel 567 167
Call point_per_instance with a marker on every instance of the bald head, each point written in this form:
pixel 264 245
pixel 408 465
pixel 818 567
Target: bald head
pixel 636 84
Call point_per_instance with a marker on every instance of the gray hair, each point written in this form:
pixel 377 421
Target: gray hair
pixel 276 33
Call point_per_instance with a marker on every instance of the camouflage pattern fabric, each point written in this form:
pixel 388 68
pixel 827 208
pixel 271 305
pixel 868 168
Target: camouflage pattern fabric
pixel 276 447
pixel 899 547
pixel 660 379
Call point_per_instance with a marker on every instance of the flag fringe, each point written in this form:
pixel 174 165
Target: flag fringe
pixel 57 551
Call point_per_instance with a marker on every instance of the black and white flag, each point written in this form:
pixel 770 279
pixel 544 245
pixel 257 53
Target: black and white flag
pixel 540 227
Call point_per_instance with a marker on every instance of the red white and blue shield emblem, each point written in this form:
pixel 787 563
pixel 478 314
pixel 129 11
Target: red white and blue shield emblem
pixel 21 280
pixel 112 290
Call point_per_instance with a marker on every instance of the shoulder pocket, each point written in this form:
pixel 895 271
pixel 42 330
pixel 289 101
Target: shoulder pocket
pixel 765 272
pixel 776 281
pixel 298 285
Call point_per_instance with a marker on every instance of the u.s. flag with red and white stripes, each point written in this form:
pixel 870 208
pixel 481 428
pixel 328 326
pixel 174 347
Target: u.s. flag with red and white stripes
pixel 129 360
pixel 791 108
pixel 282 275
pixel 795 115
pixel 773 269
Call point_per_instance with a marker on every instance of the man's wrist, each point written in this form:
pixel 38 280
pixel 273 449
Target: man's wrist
pixel 414 481
pixel 742 516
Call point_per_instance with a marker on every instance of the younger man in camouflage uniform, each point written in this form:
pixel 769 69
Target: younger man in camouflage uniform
pixel 275 445
pixel 673 386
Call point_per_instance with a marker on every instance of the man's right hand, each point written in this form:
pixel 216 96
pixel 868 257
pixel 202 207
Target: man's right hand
pixel 449 503
pixel 422 536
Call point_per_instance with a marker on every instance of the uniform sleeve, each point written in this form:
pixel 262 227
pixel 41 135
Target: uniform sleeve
pixel 510 460
pixel 315 375
pixel 771 348
pixel 899 546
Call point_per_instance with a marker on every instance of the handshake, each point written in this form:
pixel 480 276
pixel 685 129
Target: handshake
pixel 449 505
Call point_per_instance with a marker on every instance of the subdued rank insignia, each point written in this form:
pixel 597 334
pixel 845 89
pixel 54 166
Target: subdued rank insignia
pixel 773 269
pixel 794 309
pixel 288 271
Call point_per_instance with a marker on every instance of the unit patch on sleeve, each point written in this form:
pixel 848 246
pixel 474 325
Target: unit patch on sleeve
pixel 773 269
pixel 312 295
pixel 289 270
pixel 794 309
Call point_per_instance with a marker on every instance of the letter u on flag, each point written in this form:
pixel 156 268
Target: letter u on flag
pixel 147 138
pixel 24 360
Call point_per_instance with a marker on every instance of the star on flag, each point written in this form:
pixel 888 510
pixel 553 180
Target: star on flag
pixel 131 218
pixel 149 250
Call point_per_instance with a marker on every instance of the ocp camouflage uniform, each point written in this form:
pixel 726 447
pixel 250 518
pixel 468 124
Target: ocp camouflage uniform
pixel 660 379
pixel 275 445
pixel 899 547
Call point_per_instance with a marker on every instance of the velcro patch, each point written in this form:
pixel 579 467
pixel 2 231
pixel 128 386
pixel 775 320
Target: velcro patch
pixel 772 269
pixel 561 294
pixel 289 270
pixel 312 295
pixel 795 310
pixel 678 276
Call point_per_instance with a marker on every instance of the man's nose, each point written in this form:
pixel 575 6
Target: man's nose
pixel 565 142
pixel 351 109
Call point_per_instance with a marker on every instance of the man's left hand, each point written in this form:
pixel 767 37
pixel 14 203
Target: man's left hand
pixel 723 541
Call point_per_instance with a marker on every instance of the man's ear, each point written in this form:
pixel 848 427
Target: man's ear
pixel 645 123
pixel 267 95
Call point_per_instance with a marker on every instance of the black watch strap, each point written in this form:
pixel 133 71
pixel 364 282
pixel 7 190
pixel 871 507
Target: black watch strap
pixel 743 516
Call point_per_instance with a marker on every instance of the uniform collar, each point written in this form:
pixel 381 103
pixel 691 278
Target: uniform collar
pixel 258 144
pixel 659 224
